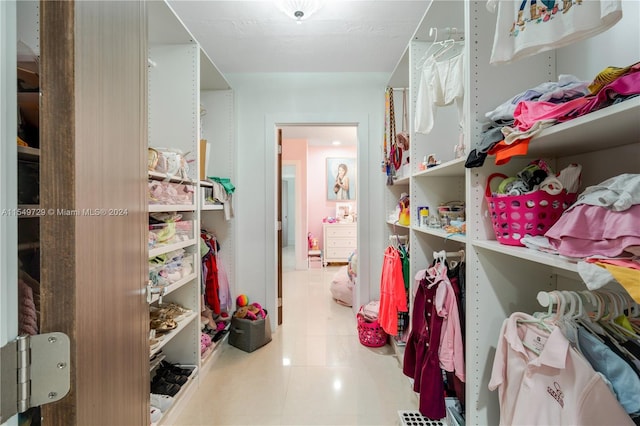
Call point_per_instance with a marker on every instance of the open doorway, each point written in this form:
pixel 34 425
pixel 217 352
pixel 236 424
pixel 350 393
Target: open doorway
pixel 320 162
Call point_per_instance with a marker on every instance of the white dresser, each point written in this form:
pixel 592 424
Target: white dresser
pixel 340 240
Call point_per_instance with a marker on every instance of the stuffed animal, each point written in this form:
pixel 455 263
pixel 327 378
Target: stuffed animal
pixel 257 310
pixel 251 312
pixel 241 312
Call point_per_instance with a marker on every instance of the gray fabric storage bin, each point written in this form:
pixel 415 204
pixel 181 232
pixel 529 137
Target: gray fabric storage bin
pixel 249 335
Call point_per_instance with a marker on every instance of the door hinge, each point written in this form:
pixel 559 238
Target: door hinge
pixel 34 370
pixel 279 149
pixel 279 226
pixel 279 302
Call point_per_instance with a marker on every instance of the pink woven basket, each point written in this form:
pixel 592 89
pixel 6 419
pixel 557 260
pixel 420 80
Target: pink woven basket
pixel 370 333
pixel 514 216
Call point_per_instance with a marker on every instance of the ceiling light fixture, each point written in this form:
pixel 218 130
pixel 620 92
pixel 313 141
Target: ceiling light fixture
pixel 300 10
pixel 335 143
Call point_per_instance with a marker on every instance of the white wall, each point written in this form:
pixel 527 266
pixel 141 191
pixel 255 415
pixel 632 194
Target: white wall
pixel 264 101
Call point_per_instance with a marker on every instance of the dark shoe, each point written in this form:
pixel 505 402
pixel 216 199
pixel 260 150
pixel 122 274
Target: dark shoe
pixel 175 369
pixel 171 377
pixel 160 386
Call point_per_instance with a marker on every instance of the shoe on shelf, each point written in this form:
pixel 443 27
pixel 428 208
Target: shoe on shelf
pixel 174 368
pixel 219 335
pixel 161 386
pixel 163 402
pixel 171 377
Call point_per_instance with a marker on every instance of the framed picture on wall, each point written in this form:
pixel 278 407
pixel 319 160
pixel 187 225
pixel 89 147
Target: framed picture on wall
pixel 341 179
pixel 343 210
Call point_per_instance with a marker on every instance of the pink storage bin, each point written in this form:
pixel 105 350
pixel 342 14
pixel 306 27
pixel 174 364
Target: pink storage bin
pixel 371 334
pixel 514 216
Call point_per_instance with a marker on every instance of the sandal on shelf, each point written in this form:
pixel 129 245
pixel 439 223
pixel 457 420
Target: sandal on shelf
pixel 176 307
pixel 163 326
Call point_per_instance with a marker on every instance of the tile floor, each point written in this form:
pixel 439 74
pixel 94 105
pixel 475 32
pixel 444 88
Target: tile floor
pixel 314 372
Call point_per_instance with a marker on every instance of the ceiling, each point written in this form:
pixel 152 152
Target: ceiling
pixel 341 36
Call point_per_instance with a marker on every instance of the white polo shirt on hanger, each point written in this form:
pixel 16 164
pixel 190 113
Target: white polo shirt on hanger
pixel 556 387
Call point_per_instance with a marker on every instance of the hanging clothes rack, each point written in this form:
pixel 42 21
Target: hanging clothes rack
pixel 400 239
pixel 447 254
pixel 452 32
pixel 454 35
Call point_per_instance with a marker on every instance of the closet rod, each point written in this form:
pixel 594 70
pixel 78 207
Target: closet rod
pixel 447 254
pixel 452 32
pixel 398 238
pixel 546 299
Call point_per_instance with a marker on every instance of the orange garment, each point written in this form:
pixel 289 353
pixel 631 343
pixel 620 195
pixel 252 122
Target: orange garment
pixel 504 151
pixel 393 298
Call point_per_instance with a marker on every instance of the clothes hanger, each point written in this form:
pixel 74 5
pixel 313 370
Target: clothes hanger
pixel 562 306
pixel 615 332
pixel 546 299
pixel 432 30
pixel 624 320
pixel 568 323
pixel 447 46
pixel 542 325
pixel 585 319
pixel 434 273
pixel 619 331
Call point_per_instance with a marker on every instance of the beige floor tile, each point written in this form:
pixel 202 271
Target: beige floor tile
pixel 314 372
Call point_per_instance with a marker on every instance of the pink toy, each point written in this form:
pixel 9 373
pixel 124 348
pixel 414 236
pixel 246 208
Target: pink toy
pixel 257 310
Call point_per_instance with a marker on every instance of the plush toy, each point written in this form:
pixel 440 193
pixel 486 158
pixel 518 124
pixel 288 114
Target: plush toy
pixel 241 312
pixel 244 312
pixel 251 312
pixel 242 300
pixel 257 310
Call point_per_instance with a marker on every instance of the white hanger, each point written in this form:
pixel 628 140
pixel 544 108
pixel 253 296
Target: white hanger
pixel 439 256
pixel 446 46
pixel 422 60
pixel 585 320
pixel 614 327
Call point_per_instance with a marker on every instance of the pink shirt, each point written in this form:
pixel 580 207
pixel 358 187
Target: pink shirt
pixel 451 351
pixel 557 387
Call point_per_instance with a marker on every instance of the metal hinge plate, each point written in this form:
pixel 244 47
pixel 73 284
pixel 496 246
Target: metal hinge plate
pixel 34 370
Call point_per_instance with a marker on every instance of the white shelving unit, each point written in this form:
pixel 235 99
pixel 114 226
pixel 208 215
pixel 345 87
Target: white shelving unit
pixel 173 287
pixel 503 279
pixel 217 128
pixel 182 80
